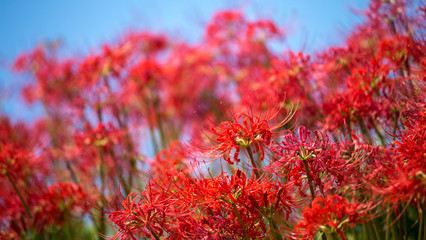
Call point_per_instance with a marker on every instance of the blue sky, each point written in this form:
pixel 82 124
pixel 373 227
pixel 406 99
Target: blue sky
pixel 84 25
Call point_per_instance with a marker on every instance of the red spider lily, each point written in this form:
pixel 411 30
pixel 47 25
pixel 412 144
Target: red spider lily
pixel 402 173
pixel 170 161
pixel 56 82
pixel 223 206
pixel 331 214
pixel 245 130
pixel 104 135
pixel 214 227
pixel 377 65
pixel 225 25
pixel 291 72
pixel 247 206
pixel 14 160
pixel 59 202
pixel 20 184
pixel 327 162
pixel 32 205
pixel 143 215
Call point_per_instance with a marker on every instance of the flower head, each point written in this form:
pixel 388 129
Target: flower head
pixel 246 129
pixel 330 214
pixel 141 215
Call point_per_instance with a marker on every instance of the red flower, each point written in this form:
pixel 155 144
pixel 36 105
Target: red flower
pixel 142 215
pixel 330 214
pixel 402 169
pixel 59 200
pixel 328 163
pixel 245 130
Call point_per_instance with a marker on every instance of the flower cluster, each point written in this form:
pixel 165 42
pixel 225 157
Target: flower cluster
pixel 331 214
pixel 226 138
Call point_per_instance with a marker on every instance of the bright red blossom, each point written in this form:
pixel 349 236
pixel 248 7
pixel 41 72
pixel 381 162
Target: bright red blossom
pixel 244 131
pixel 330 214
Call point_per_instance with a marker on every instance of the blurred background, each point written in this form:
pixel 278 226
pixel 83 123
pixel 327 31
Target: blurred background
pixel 82 26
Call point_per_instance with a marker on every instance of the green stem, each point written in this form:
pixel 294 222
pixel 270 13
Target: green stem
pixel 239 219
pixel 404 222
pixel 388 221
pixel 67 232
pixel 24 236
pixel 320 187
pixel 153 138
pixel 119 174
pixel 274 229
pixel 364 130
pixel 424 223
pixel 348 123
pixel 354 233
pixel 394 231
pixel 129 148
pixel 395 125
pixel 365 231
pixel 421 225
pixel 253 162
pixel 375 229
pixel 27 209
pixel 163 139
pixel 401 220
pixel 72 172
pixel 101 170
pixel 379 134
pixel 153 234
pixel 333 236
pixel 311 187
pixel 102 227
